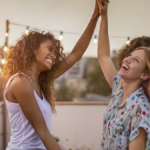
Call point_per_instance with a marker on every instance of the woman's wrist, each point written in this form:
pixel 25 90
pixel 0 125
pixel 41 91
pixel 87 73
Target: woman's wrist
pixel 96 15
pixel 104 16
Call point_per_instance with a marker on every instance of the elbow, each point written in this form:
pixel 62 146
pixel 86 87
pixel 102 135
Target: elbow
pixel 103 55
pixel 99 56
pixel 79 57
pixel 100 53
pixel 76 56
pixel 41 130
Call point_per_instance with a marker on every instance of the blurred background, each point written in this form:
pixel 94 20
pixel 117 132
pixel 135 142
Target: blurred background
pixel 82 92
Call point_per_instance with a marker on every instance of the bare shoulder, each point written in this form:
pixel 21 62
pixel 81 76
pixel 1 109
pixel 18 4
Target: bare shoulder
pixel 22 90
pixel 20 85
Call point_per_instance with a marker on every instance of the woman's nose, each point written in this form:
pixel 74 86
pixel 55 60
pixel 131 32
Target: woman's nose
pixel 53 55
pixel 128 59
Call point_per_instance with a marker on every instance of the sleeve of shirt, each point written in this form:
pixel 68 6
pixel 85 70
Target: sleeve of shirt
pixel 140 119
pixel 116 83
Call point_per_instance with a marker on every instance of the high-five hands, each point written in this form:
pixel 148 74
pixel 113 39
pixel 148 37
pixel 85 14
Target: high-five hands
pixel 105 0
pixel 103 5
pixel 97 7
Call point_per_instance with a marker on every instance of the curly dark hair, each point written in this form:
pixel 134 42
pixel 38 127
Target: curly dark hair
pixel 128 48
pixel 20 57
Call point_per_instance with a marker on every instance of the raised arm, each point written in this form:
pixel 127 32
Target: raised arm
pixel 26 99
pixel 81 46
pixel 104 57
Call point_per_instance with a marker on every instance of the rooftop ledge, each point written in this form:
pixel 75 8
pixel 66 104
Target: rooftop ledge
pixel 75 103
pixel 81 103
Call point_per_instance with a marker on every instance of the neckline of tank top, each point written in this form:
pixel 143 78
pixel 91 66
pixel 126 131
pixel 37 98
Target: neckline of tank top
pixel 36 95
pixel 42 99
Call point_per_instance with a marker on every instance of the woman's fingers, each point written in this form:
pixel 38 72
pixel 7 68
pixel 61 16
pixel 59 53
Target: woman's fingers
pixel 106 5
pixel 100 4
pixel 102 7
pixel 107 1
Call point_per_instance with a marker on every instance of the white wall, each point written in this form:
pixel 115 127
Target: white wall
pixel 126 18
pixel 79 126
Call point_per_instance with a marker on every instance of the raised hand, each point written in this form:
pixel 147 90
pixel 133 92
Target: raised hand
pixel 105 0
pixel 96 9
pixel 103 5
pixel 81 46
pixel 104 57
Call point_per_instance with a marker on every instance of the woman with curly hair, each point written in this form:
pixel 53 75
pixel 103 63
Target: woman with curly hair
pixel 127 49
pixel 126 123
pixel 28 79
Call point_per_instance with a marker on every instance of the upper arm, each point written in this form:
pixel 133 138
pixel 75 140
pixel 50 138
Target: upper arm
pixel 66 64
pixel 108 69
pixel 139 143
pixel 139 128
pixel 23 92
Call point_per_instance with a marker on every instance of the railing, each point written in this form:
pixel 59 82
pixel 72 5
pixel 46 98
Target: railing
pixel 81 103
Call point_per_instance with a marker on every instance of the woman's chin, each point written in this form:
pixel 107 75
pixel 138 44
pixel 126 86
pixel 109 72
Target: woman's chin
pixel 47 68
pixel 121 74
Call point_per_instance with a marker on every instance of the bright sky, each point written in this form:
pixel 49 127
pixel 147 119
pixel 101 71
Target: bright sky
pixel 126 18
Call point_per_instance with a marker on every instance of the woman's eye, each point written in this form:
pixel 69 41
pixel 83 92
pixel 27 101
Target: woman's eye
pixel 50 49
pixel 136 59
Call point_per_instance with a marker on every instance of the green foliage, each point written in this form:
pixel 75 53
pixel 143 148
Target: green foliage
pixel 64 93
pixel 56 138
pixel 82 93
pixel 96 82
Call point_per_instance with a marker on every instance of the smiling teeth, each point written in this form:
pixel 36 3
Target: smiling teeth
pixel 49 61
pixel 125 66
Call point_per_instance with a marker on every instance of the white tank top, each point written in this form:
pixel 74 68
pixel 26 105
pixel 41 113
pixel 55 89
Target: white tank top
pixel 23 136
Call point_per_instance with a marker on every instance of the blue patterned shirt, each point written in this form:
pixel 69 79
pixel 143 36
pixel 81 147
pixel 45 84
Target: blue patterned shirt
pixel 122 121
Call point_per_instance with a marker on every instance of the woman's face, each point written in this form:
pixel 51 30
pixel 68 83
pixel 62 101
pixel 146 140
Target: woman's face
pixel 45 56
pixel 133 66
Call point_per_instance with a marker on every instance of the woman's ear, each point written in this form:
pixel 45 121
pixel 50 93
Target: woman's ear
pixel 144 76
pixel 146 88
pixel 35 52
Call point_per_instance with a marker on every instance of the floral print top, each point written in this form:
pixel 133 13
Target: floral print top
pixel 121 122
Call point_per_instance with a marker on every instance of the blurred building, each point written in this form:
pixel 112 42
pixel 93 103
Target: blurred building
pixel 92 98
pixel 75 77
